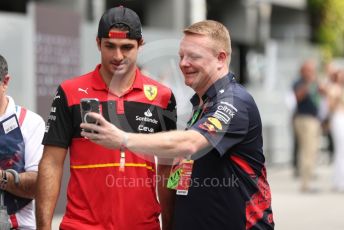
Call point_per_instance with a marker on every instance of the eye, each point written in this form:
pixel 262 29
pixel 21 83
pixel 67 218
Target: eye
pixel 195 56
pixel 110 46
pixel 127 47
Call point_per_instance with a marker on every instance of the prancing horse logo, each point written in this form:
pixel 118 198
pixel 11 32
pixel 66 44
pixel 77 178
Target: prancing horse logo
pixel 150 91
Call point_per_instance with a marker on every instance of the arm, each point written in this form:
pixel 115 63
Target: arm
pixel 33 153
pixel 166 196
pixel 165 144
pixel 301 92
pixel 333 94
pixel 26 187
pixel 48 185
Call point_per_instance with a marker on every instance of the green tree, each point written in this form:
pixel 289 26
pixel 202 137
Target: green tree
pixel 327 21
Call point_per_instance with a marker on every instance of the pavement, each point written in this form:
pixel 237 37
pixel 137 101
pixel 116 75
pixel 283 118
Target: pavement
pixel 322 210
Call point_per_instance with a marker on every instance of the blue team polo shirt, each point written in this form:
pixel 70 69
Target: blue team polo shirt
pixel 228 187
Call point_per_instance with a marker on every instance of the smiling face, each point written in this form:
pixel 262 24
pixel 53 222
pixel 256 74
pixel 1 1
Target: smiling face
pixel 199 62
pixel 118 56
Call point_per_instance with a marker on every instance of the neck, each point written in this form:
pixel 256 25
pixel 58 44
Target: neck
pixel 211 80
pixel 3 105
pixel 118 85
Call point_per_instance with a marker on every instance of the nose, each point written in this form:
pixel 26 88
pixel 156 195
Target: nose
pixel 183 62
pixel 117 54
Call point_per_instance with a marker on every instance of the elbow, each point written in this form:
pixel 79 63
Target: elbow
pixel 188 149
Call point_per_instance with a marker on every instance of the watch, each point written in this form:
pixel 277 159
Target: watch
pixel 3 180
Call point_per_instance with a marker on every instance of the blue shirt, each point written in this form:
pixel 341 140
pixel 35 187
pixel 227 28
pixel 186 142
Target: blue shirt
pixel 309 105
pixel 228 184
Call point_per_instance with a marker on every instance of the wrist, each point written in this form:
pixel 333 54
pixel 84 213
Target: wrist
pixel 3 180
pixel 124 143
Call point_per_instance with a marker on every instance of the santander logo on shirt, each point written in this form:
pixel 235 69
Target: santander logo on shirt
pixel 147 118
pixel 148 113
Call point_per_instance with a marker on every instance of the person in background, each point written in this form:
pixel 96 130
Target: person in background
pixel 220 180
pixel 108 189
pixel 335 96
pixel 307 122
pixel 21 134
pixel 331 71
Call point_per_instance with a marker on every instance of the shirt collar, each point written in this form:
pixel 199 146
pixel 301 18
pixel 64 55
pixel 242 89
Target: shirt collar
pixel 214 88
pixel 99 84
pixel 10 109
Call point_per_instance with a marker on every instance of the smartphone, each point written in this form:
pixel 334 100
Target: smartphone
pixel 89 105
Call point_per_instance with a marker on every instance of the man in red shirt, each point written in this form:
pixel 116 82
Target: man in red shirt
pixel 108 189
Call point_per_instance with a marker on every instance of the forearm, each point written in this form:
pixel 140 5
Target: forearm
pixel 26 187
pixel 166 197
pixel 301 92
pixel 168 144
pixel 48 188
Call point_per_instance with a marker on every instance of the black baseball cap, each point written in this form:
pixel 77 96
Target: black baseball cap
pixel 118 16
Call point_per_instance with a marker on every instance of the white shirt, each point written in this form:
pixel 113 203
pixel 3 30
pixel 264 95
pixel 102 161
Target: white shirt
pixel 32 130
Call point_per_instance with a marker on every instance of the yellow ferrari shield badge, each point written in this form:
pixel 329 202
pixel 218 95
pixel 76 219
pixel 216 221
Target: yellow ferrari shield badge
pixel 150 91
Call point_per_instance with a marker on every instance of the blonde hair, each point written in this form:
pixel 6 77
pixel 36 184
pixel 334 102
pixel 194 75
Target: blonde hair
pixel 215 31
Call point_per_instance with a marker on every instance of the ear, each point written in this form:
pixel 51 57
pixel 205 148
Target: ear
pixel 98 40
pixel 6 80
pixel 140 42
pixel 222 58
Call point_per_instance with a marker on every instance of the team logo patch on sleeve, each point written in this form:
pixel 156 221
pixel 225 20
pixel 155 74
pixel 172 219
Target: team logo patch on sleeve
pixel 212 125
pixel 225 112
pixel 151 91
pixel 207 127
pixel 215 122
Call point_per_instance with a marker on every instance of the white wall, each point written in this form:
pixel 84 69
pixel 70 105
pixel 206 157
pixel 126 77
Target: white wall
pixel 16 41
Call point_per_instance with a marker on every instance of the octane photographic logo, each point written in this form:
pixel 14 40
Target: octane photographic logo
pixel 159 60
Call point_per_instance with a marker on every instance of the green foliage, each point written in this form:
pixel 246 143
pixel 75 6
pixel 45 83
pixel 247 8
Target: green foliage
pixel 327 19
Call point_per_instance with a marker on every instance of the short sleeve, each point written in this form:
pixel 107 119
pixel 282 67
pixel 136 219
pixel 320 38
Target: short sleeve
pixel 224 124
pixel 33 131
pixel 169 115
pixel 59 128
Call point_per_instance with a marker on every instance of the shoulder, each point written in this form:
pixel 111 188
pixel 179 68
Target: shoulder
pixel 30 117
pixel 237 94
pixel 31 122
pixel 234 100
pixel 79 81
pixel 160 87
pixel 163 94
pixel 71 90
pixel 297 83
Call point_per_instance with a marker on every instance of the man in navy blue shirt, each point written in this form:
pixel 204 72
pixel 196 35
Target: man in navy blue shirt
pixel 220 178
pixel 307 122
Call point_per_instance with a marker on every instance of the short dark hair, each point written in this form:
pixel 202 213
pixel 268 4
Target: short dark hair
pixel 3 67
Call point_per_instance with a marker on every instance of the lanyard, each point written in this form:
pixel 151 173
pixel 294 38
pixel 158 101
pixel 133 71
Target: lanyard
pixel 197 114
